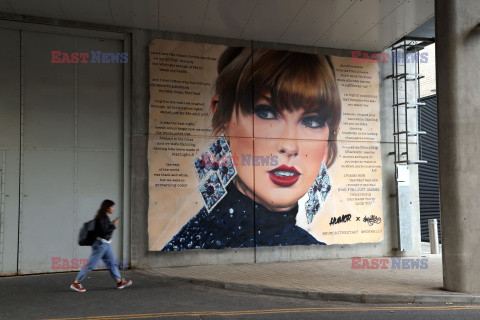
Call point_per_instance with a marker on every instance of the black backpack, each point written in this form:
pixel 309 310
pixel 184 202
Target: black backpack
pixel 87 235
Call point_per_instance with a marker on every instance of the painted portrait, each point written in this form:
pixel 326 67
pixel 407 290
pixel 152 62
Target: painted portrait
pixel 288 106
pixel 255 147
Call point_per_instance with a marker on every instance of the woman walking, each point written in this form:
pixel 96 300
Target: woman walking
pixel 101 248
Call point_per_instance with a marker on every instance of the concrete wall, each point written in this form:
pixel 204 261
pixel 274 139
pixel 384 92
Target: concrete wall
pixel 457 31
pixel 142 258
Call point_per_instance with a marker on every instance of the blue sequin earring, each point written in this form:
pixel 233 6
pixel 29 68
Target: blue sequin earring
pixel 317 194
pixel 215 170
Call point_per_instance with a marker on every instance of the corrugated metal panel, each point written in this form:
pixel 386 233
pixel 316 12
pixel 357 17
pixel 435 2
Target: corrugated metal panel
pixel 98 162
pixel 61 147
pixel 47 219
pixel 9 148
pixel 46 176
pixel 428 173
pixel 426 30
pixel 72 129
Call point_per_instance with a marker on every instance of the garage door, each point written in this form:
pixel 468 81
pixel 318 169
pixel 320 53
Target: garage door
pixel 62 148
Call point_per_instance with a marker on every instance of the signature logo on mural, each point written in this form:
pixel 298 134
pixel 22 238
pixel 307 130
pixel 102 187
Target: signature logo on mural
pixel 340 219
pixel 373 219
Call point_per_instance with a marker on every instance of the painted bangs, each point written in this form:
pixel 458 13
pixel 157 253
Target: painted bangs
pixel 294 80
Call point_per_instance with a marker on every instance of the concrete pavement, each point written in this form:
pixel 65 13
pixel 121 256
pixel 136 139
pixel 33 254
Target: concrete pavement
pixel 401 281
pixel 48 296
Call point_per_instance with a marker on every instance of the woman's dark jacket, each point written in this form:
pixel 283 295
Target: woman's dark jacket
pixel 104 228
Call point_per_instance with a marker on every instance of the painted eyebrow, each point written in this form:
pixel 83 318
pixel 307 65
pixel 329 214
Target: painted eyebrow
pixel 316 112
pixel 269 101
pixel 264 97
pixel 311 113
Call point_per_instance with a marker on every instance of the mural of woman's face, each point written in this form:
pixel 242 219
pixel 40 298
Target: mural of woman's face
pixel 289 148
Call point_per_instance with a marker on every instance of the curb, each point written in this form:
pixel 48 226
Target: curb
pixel 333 296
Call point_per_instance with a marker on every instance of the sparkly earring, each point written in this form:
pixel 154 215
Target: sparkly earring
pixel 317 194
pixel 215 170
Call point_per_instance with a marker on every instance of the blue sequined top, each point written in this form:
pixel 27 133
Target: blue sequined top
pixel 238 222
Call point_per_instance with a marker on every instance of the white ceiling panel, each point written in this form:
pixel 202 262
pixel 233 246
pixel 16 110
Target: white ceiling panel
pixel 412 15
pixel 6 7
pixel 406 18
pixel 94 11
pixel 271 18
pixel 141 14
pixel 313 20
pixel 44 8
pixel 227 18
pixel 345 24
pixel 353 24
pixel 182 15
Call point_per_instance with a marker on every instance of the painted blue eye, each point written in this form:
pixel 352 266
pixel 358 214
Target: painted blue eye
pixel 314 122
pixel 266 112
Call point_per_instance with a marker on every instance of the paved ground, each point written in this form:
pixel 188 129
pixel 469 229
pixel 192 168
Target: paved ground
pixel 153 297
pixel 327 280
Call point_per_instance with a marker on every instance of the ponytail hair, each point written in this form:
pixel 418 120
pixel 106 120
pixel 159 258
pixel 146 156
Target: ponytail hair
pixel 102 212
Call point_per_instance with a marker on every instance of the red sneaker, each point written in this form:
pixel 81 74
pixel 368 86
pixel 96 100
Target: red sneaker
pixel 78 287
pixel 123 284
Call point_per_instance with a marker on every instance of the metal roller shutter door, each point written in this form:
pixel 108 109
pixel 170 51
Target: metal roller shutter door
pixel 428 173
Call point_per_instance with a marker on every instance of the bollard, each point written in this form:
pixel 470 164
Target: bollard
pixel 433 233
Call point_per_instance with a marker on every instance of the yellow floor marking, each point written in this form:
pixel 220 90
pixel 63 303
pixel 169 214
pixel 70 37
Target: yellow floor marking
pixel 272 311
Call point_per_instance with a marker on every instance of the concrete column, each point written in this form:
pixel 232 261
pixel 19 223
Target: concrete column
pixel 458 91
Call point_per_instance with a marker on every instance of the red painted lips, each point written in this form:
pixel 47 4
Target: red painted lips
pixel 284 176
